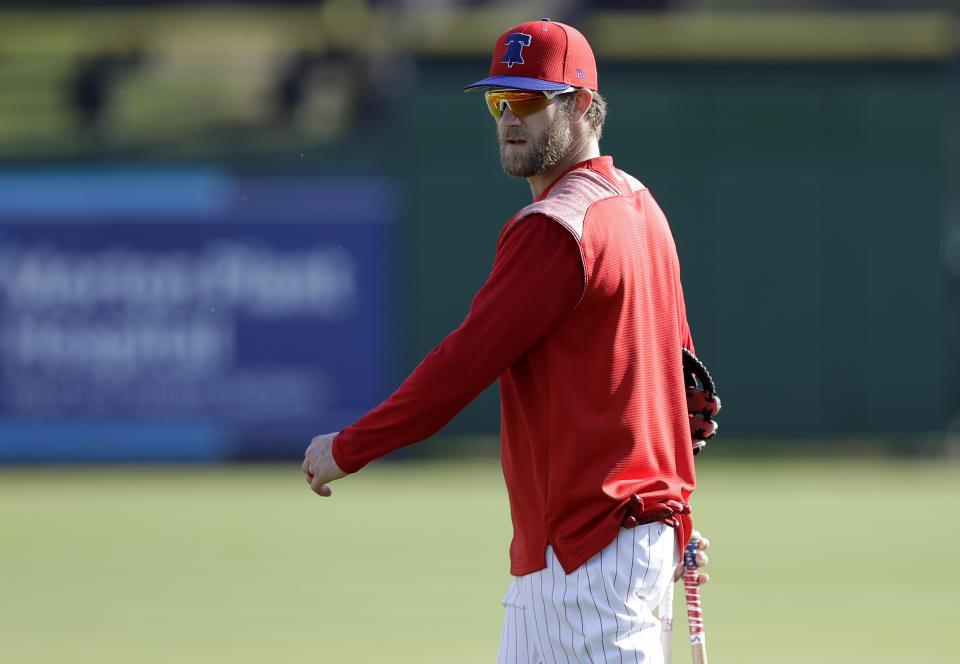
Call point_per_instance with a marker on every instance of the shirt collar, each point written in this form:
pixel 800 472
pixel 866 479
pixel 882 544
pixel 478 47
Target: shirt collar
pixel 602 165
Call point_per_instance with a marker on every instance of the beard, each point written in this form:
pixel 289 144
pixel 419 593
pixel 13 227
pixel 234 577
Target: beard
pixel 539 155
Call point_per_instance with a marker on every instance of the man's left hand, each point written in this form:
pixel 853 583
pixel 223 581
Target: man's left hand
pixel 702 577
pixel 319 466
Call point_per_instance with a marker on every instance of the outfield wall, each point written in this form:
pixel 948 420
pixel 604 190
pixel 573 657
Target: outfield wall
pixel 810 205
pixel 815 203
pixel 190 315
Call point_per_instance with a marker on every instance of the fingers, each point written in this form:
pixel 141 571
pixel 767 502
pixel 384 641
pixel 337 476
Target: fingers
pixel 676 507
pixel 702 559
pixel 305 467
pixel 702 544
pixel 319 487
pixel 319 467
pixel 702 577
pixel 314 479
pixel 657 512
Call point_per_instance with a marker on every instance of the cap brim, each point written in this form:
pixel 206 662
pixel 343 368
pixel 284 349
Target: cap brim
pixel 518 82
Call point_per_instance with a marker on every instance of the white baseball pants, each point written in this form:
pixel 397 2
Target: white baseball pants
pixel 601 612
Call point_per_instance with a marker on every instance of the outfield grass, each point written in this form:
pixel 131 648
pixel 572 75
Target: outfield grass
pixel 830 562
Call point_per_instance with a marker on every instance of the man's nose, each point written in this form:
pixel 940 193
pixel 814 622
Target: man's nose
pixel 508 118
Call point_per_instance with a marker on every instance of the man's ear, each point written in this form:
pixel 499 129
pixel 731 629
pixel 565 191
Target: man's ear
pixel 581 102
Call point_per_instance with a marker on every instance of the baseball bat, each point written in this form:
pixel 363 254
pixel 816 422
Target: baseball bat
pixel 665 612
pixel 698 638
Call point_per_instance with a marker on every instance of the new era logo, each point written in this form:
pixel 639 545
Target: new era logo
pixel 515 44
pixel 580 73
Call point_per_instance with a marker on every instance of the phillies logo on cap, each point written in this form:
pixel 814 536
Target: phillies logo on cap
pixel 551 55
pixel 515 44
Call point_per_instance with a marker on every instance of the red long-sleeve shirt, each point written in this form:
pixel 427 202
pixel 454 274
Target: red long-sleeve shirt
pixel 582 319
pixel 537 279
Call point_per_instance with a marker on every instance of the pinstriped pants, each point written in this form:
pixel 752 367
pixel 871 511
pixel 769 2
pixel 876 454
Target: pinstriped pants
pixel 601 612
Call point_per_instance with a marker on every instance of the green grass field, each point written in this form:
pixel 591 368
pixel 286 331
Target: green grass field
pixel 833 561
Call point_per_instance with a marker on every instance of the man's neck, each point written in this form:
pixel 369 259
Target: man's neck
pixel 540 182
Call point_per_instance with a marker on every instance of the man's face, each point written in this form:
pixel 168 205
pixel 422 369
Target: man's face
pixel 535 143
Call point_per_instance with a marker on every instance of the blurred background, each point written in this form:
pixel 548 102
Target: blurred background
pixel 226 227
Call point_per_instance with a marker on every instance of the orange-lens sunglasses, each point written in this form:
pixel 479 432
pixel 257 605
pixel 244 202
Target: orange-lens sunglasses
pixel 521 102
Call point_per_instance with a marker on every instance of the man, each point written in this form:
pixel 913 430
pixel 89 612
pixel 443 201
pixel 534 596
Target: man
pixel 582 320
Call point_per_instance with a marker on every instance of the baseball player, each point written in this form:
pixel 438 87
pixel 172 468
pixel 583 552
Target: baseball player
pixel 582 320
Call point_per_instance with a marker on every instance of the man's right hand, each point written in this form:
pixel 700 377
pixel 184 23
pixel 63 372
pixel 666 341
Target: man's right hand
pixel 319 466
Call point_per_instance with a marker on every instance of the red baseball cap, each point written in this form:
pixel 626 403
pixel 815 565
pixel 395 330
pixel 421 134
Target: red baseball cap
pixel 541 55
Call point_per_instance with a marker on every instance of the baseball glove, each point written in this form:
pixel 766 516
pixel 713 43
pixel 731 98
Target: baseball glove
pixel 665 511
pixel 702 401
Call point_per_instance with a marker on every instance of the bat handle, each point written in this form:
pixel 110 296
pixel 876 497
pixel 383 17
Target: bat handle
pixel 698 638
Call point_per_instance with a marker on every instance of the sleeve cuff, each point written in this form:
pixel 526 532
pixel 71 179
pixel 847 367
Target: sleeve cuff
pixel 341 458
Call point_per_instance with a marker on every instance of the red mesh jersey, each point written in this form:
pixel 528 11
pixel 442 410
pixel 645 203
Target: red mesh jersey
pixel 597 411
pixel 582 319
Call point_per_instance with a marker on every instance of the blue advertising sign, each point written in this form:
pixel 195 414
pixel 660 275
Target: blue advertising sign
pixel 189 315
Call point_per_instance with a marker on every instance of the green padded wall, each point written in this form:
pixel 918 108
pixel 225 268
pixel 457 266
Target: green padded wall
pixel 808 203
